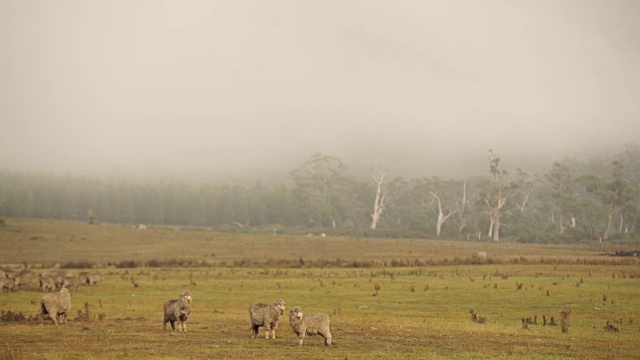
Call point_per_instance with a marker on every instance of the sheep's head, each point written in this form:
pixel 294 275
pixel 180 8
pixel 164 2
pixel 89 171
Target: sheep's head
pixel 65 292
pixel 185 295
pixel 280 305
pixel 295 313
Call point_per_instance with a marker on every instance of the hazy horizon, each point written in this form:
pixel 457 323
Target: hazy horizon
pixel 201 90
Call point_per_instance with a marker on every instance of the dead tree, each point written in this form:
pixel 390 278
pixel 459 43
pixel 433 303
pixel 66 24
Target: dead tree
pixel 379 202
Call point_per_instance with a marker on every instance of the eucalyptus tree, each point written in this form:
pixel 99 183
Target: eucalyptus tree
pixel 563 200
pixel 379 203
pixel 447 199
pixel 495 194
pixel 400 202
pixel 321 186
pixel 616 195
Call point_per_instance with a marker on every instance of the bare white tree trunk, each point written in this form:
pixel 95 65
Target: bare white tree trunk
pixel 524 202
pixel 442 217
pixel 379 202
pixel 491 224
pixel 621 223
pixel 562 225
pixel 463 207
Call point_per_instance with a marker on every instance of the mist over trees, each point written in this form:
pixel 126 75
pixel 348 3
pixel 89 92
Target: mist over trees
pixel 593 200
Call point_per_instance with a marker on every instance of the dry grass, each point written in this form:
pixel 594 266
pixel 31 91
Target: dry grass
pixel 379 312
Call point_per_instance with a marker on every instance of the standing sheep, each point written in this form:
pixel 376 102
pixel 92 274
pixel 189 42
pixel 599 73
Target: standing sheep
pixel 94 279
pixel 310 324
pixel 261 314
pixel 177 310
pixel 56 306
pixel 46 283
pixel 71 283
pixel 24 278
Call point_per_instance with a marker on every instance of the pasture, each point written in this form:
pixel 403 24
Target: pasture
pixel 387 299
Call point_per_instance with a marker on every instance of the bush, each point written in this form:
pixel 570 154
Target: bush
pixel 82 264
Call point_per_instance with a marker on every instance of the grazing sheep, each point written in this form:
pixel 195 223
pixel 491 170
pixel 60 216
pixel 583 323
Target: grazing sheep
pixel 310 324
pixel 71 283
pixel 268 316
pixel 6 283
pixel 83 277
pixel 24 278
pixel 56 306
pixel 46 283
pixel 177 310
pixel 57 276
pixel 94 279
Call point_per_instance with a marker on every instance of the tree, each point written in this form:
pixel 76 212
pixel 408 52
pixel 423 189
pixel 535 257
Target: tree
pixel 495 196
pixel 379 202
pixel 321 185
pixel 563 199
pixel 616 194
pixel 445 201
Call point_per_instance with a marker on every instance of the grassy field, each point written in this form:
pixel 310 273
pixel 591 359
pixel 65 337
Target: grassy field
pixel 388 299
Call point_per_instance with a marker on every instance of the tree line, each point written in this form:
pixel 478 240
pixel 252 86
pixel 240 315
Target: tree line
pixel 593 200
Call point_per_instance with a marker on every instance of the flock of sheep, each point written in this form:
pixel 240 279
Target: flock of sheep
pixel 49 280
pixel 57 306
pixel 260 315
pixel 268 316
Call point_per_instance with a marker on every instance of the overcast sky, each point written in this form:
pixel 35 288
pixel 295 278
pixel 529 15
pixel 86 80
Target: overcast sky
pixel 207 89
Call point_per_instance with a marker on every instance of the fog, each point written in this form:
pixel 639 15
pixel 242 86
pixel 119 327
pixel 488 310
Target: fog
pixel 221 89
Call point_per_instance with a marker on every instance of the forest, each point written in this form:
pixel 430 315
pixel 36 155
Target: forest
pixel 592 200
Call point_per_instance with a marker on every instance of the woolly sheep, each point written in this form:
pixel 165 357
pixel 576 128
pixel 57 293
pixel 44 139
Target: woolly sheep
pixel 268 316
pixel 46 283
pixel 6 283
pixel 71 283
pixel 177 310
pixel 310 324
pixel 24 278
pixel 56 306
pixel 83 277
pixel 94 279
pixel 57 276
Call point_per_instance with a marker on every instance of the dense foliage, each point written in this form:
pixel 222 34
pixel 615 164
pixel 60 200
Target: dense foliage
pixel 592 200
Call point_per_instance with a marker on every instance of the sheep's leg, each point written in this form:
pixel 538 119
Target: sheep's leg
pixel 53 315
pixel 254 331
pixel 300 339
pixel 267 330
pixel 273 333
pixel 327 338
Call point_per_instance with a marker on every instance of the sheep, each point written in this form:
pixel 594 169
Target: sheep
pixel 177 310
pixel 6 283
pixel 24 278
pixel 310 324
pixel 71 283
pixel 268 316
pixel 83 277
pixel 94 278
pixel 56 306
pixel 46 283
pixel 57 275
